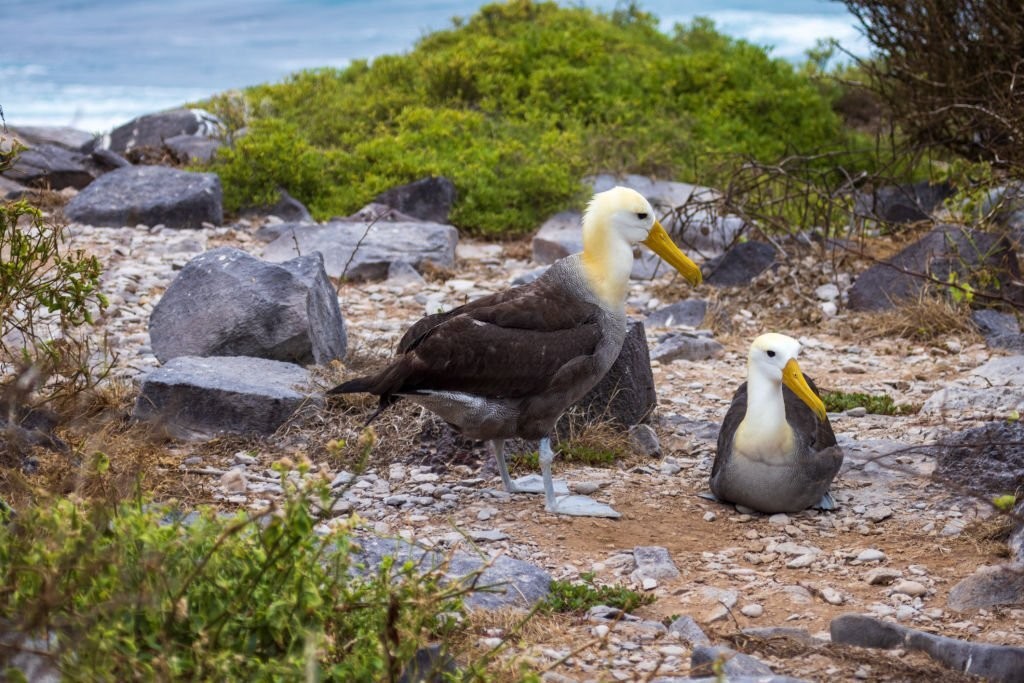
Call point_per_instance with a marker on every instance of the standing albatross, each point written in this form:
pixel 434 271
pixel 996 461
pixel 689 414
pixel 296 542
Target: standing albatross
pixel 509 364
pixel 776 450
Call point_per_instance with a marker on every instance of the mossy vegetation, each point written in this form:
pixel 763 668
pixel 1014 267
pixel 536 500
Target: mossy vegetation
pixel 578 597
pixel 515 105
pixel 838 401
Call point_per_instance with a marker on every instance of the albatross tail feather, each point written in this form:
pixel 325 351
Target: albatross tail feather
pixel 354 386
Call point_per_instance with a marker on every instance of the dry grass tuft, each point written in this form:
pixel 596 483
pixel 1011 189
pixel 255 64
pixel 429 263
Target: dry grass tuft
pixel 521 633
pixel 925 319
pixel 432 272
pixel 990 535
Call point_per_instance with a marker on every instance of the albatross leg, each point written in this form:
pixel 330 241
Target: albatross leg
pixel 498 446
pixel 577 506
pixel 827 502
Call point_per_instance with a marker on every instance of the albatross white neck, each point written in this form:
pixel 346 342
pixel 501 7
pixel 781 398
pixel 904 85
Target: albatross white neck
pixel 764 429
pixel 607 263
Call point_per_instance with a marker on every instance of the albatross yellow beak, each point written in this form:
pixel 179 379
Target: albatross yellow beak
pixel 662 245
pixel 793 378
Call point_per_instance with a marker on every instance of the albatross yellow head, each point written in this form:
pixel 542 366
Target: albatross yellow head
pixel 774 356
pixel 615 220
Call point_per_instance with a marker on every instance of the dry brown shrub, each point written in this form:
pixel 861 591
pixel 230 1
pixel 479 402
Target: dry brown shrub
pixel 925 319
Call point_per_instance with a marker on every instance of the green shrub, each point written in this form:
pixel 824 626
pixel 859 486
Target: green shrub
pixel 46 291
pixel 838 401
pixel 135 592
pixel 515 105
pixel 579 597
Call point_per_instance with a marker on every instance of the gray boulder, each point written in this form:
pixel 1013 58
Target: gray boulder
pixel 359 251
pixel 53 167
pixel 989 587
pixel 149 195
pixel 741 264
pixel 946 249
pixel 227 303
pixel 152 130
pixel 902 203
pixel 62 136
pixel 194 397
pixel 625 395
pixel 686 313
pixel 507 582
pixel 992 662
pixel 1000 330
pixel 984 461
pixel 429 199
pixel 192 149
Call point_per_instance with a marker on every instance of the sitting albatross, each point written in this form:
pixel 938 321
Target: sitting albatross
pixel 509 364
pixel 776 449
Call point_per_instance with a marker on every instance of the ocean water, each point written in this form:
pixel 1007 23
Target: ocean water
pixel 94 64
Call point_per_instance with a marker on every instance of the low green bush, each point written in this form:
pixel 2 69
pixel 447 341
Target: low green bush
pixel 515 105
pixel 578 597
pixel 838 401
pixel 135 592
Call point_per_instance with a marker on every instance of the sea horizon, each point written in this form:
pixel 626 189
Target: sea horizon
pixel 96 64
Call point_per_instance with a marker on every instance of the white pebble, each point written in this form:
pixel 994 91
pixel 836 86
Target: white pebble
pixel 753 610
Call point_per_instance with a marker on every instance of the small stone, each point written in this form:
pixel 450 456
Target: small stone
pixel 243 458
pixel 801 561
pixel 710 516
pixel 911 588
pixel 585 488
pixel 716 613
pixel 601 630
pixel 233 481
pixel 753 610
pixel 856 411
pixel 486 513
pixel 649 584
pixel 870 555
pixel 882 576
pixel 780 519
pixel 878 513
pixel 832 596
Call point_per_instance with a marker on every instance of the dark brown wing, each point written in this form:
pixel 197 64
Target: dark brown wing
pixel 507 345
pixel 814 433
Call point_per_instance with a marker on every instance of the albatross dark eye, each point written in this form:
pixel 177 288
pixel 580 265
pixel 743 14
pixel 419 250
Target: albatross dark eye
pixel 641 216
pixel 771 354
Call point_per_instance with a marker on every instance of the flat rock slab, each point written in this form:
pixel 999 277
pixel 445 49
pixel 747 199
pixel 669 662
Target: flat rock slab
pixel 359 251
pixel 704 658
pixel 993 662
pixel 227 303
pixel 150 195
pixel 691 346
pixel 653 562
pixel 686 313
pixel 200 397
pixel 63 136
pixel 507 582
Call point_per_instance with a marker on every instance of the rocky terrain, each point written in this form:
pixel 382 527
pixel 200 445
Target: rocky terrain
pixel 768 586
